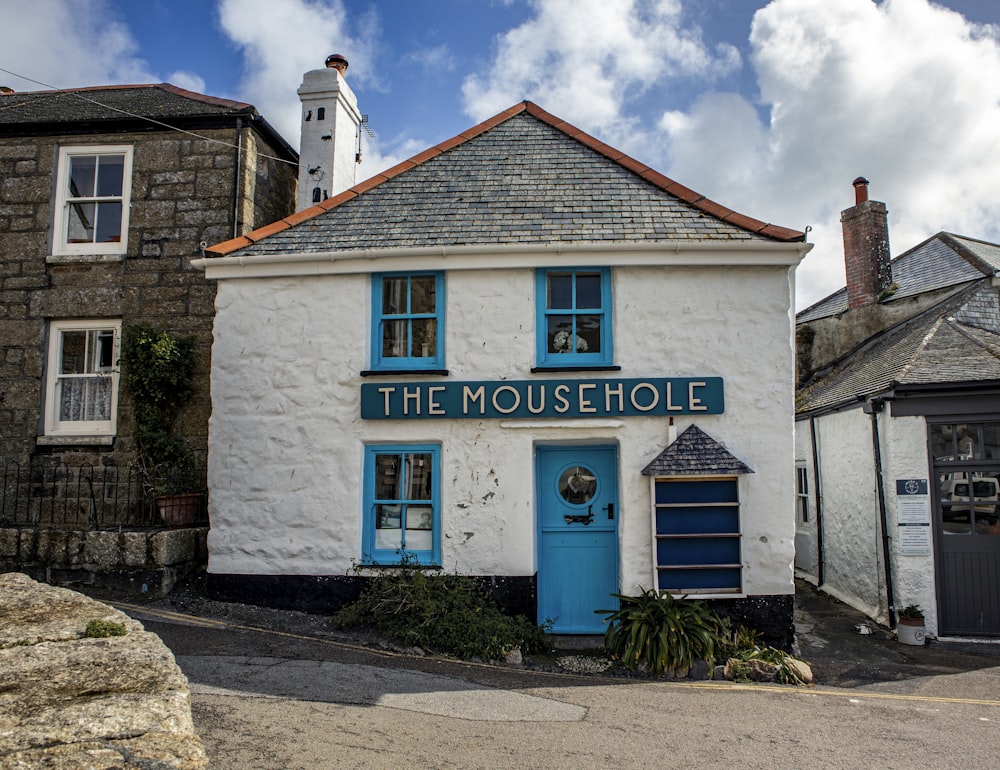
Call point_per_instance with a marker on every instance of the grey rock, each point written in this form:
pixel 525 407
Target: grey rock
pixel 514 657
pixel 700 670
pixel 69 702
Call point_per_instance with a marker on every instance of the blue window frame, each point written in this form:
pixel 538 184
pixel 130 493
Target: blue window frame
pixel 402 511
pixel 573 317
pixel 408 321
pixel 698 535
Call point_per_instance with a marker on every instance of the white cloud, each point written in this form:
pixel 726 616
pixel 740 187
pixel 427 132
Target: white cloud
pixel 192 81
pixel 66 44
pixel 281 39
pixel 905 93
pixel 584 60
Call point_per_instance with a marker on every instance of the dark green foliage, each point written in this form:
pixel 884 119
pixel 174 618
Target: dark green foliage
pixel 98 629
pixel 157 370
pixel 440 612
pixel 911 611
pixel 661 632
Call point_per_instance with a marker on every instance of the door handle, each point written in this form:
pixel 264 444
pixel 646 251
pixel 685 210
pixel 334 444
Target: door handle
pixel 610 508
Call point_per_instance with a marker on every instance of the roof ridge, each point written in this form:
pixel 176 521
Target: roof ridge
pixel 648 174
pixel 961 328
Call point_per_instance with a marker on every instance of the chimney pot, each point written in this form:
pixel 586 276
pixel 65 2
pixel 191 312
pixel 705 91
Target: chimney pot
pixel 860 190
pixel 337 62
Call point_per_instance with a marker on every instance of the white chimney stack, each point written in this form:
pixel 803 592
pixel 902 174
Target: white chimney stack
pixel 330 124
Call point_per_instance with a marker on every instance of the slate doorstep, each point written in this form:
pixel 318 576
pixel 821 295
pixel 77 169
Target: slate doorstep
pixel 72 702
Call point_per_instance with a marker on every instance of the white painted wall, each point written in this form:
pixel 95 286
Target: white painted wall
pixel 854 571
pixel 286 439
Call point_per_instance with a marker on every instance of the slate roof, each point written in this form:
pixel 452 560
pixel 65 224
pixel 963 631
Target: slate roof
pixel 930 349
pixel 522 176
pixel 124 107
pixel 695 453
pixel 943 260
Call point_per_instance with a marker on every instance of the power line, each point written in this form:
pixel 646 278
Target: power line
pixel 80 96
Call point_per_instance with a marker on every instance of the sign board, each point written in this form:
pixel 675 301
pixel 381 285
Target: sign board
pixel 633 397
pixel 913 516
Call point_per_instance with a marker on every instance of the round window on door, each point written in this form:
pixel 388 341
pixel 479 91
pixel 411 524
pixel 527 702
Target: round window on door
pixel 577 484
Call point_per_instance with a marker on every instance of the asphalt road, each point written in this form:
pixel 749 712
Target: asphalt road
pixel 278 699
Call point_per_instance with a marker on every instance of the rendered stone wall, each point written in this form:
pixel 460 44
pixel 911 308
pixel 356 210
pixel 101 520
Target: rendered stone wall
pixel 286 437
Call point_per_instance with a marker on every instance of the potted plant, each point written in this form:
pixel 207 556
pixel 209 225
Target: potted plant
pixel 157 370
pixel 910 627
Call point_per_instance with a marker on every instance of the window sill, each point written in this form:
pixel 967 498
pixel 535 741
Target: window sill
pixel 75 441
pixel 73 259
pixel 397 372
pixel 582 368
pixel 377 565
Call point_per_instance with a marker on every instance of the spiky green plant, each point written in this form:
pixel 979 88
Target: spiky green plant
pixel 661 632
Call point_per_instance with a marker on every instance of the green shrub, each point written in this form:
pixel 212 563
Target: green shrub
pixel 661 632
pixel 744 645
pixel 444 613
pixel 98 629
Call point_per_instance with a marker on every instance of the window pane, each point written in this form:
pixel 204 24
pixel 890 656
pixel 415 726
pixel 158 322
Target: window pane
pixel 422 289
pixel 80 223
pixel 588 331
pixel 74 353
pixel 82 171
pixel 419 477
pixel 942 445
pixel 991 440
pixel 560 333
pixel 84 399
pixel 588 290
pixel 424 337
pixel 394 295
pixel 388 530
pixel 111 170
pixel 394 339
pixel 109 222
pixel 956 513
pixel 560 291
pixel 104 350
pixel 387 477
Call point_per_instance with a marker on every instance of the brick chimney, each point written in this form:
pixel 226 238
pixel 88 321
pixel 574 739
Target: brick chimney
pixel 330 121
pixel 866 248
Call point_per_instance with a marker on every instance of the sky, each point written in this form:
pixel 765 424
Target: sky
pixel 769 108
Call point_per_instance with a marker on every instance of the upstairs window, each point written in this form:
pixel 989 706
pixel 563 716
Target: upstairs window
pixel 402 505
pixel 92 200
pixel 408 321
pixel 574 318
pixel 82 384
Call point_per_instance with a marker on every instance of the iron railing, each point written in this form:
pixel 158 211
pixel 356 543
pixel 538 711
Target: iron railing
pixel 87 497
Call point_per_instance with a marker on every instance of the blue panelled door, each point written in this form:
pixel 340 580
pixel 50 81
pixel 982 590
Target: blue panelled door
pixel 577 494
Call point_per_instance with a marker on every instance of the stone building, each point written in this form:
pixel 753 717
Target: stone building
pixel 106 194
pixel 520 355
pixel 898 429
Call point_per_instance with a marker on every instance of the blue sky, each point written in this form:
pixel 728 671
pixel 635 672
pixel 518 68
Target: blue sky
pixel 771 108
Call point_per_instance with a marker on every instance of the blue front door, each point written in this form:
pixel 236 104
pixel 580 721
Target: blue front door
pixel 577 494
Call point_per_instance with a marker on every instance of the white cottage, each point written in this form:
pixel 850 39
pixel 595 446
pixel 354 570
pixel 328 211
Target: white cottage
pixel 520 355
pixel 898 433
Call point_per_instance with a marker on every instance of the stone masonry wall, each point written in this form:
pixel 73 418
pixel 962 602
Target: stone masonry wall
pixel 182 195
pixel 141 562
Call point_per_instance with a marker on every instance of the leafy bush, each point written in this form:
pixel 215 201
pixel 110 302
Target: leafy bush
pixel 661 632
pixel 440 612
pixel 157 370
pixel 99 629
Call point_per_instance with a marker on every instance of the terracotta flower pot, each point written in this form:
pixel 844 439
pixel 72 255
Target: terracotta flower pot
pixel 178 510
pixel 911 631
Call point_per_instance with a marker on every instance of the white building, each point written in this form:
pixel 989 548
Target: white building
pixel 898 433
pixel 520 355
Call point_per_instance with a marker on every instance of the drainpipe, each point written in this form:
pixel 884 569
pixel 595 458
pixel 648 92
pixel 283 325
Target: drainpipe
pixel 873 406
pixel 817 484
pixel 237 181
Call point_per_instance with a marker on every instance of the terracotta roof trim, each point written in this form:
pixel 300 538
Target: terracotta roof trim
pixel 653 177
